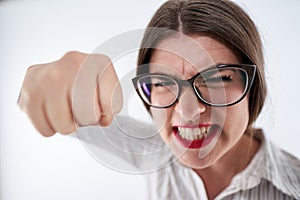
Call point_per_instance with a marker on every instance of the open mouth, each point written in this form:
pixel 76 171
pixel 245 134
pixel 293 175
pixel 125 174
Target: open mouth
pixel 195 137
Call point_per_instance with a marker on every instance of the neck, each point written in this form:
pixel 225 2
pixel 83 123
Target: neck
pixel 218 176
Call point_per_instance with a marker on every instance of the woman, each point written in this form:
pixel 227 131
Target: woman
pixel 201 75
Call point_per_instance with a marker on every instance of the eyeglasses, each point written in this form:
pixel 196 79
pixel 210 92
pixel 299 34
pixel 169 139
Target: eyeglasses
pixel 220 85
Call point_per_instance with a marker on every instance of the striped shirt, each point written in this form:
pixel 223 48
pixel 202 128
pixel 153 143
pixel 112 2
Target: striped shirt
pixel 272 174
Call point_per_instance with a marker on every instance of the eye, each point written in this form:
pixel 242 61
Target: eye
pixel 163 83
pixel 215 79
pixel 160 81
pixel 218 79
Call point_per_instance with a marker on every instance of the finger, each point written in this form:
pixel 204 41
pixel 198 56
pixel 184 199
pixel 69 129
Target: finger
pixel 109 94
pixel 39 119
pixel 85 106
pixel 59 113
pixel 33 107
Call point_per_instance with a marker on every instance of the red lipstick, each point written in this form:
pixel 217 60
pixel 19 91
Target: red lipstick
pixel 196 143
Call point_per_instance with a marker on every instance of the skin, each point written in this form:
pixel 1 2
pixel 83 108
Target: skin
pixel 182 57
pixel 58 96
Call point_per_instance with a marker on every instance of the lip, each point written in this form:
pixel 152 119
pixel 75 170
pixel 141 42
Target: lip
pixel 199 143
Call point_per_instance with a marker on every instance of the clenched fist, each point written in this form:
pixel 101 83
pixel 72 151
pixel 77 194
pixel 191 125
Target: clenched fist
pixel 77 90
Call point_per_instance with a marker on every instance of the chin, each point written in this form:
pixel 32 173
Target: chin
pixel 192 158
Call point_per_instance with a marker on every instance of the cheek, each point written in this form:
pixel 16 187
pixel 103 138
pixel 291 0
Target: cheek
pixel 237 118
pixel 162 119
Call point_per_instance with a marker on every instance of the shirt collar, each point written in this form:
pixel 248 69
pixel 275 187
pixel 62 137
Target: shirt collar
pixel 272 164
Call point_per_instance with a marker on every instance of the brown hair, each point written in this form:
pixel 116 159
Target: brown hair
pixel 221 19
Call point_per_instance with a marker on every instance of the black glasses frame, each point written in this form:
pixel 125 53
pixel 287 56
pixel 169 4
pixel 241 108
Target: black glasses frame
pixel 250 71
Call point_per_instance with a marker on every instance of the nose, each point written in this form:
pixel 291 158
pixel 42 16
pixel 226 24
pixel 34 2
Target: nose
pixel 188 106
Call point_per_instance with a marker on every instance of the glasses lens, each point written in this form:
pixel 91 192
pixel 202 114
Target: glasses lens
pixel 158 90
pixel 222 86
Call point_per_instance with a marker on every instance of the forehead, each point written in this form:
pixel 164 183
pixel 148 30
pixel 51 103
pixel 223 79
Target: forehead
pixel 188 55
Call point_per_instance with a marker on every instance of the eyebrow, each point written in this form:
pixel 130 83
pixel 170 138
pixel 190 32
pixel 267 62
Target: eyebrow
pixel 163 73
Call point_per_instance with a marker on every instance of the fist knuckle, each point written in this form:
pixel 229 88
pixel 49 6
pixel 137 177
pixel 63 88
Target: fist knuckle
pixel 104 58
pixel 101 61
pixel 28 101
pixel 71 55
pixel 73 59
pixel 106 62
pixel 30 68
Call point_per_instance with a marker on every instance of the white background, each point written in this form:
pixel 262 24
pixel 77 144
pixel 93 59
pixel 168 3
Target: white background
pixel 34 167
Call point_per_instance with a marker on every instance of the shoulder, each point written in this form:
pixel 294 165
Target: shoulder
pixel 272 174
pixel 282 169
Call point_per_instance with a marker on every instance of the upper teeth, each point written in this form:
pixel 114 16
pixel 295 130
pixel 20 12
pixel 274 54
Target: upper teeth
pixel 194 133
